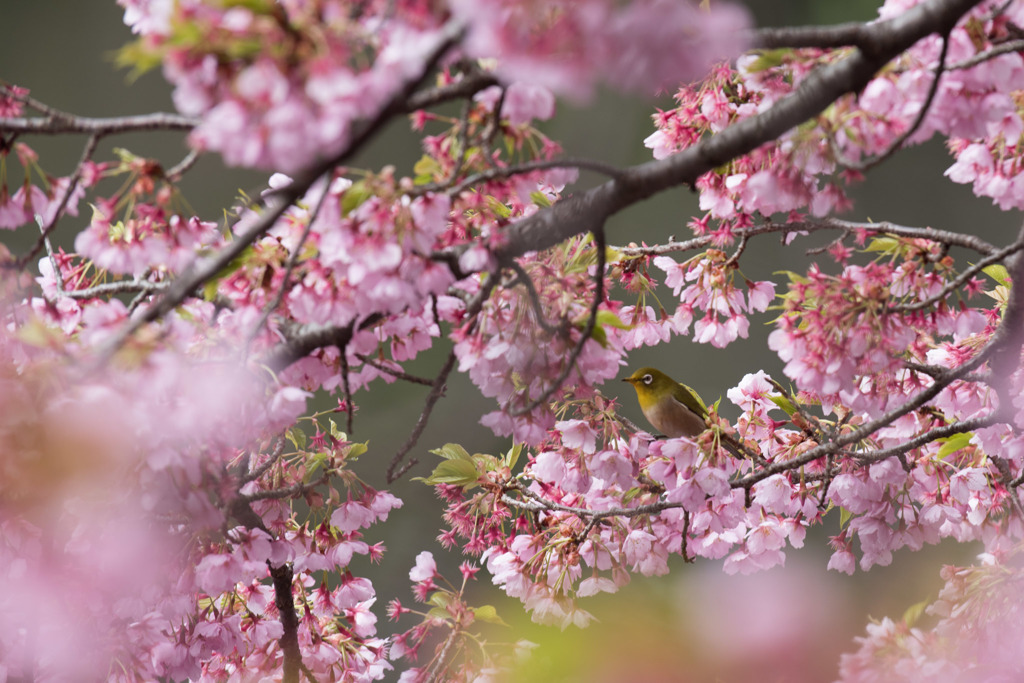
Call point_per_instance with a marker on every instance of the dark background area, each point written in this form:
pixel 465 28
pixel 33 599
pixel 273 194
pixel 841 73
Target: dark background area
pixel 665 629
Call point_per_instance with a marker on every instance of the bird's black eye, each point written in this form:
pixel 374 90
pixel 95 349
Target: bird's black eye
pixel 648 379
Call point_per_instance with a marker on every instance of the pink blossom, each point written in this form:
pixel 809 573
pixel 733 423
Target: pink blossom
pixel 352 515
pixel 425 569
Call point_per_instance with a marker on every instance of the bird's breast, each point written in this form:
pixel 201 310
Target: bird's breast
pixel 673 419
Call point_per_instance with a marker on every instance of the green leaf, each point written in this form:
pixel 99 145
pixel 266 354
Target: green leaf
pixel 608 318
pixel 540 199
pixel 997 272
pixel 489 614
pixel 512 457
pixel 452 451
pixel 954 443
pixel 784 403
pixel 455 472
pixel 613 255
pixel 844 517
pixel 425 169
pixel 354 196
pixel 885 245
pixel 767 59
pixel 139 57
pixel 793 277
pixel 357 449
pixel 497 208
pixel 484 462
pixel 439 614
pixel 439 599
pixel 313 465
pixel 297 437
pixel 914 612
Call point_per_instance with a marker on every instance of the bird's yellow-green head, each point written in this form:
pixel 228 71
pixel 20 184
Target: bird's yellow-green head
pixel 652 385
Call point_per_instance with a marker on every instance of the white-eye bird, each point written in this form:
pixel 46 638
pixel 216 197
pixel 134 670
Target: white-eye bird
pixel 671 407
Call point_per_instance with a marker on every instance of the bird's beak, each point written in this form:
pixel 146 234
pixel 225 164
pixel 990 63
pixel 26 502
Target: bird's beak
pixel 627 379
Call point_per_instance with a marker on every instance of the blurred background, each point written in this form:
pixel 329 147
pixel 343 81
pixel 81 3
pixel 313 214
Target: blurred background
pixel 794 621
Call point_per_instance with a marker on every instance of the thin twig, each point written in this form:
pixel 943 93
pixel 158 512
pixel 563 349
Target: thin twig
pixel 346 386
pixel 493 126
pixel 175 173
pixel 58 277
pixel 473 309
pixel 958 281
pixel 520 169
pixel 285 492
pixel 293 258
pixel 540 504
pixel 956 239
pixel 1008 47
pixel 868 428
pixel 466 87
pixel 76 176
pixel 436 391
pixel 524 279
pixel 397 374
pixel 440 664
pixel 740 248
pixel 262 469
pixel 588 329
pixel 943 432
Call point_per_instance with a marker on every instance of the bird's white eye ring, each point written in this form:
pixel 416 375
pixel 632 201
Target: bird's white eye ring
pixel 648 379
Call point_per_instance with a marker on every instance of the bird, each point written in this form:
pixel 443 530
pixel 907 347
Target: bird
pixel 673 408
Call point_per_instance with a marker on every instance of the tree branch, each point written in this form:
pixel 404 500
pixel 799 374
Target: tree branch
pixel 953 239
pixel 436 392
pixel 882 42
pixel 54 124
pixel 45 230
pixel 959 280
pixel 849 34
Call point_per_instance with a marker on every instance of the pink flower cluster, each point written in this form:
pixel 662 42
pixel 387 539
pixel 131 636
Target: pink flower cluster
pixel 31 202
pixel 280 85
pixel 775 178
pixel 142 475
pixel 569 46
pixel 707 284
pixel 521 339
pixel 979 629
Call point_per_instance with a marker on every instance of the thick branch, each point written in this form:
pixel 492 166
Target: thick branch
pixel 840 35
pixel 881 42
pixel 285 603
pixel 313 337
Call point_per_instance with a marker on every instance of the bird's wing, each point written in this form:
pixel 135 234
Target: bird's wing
pixel 689 398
